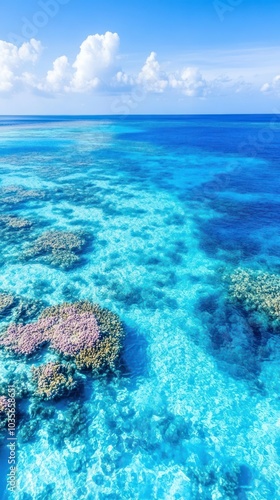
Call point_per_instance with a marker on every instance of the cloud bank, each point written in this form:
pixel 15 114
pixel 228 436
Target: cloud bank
pixel 96 67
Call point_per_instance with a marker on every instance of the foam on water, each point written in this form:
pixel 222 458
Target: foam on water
pixel 194 412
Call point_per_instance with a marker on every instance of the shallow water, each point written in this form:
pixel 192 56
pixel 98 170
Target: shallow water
pixel 169 207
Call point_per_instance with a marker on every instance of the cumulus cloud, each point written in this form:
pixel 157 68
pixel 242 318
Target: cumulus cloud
pixel 151 76
pixel 14 60
pixel 95 61
pixel 154 79
pixel 273 87
pixel 58 77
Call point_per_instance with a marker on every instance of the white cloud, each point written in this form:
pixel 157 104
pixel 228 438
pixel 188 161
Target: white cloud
pixel 95 61
pixel 96 67
pixel 190 82
pixel 273 87
pixel 58 77
pixel 123 79
pixel 13 61
pixel 151 76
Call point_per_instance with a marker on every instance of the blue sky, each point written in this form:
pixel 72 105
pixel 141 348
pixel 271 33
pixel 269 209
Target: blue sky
pixel 157 56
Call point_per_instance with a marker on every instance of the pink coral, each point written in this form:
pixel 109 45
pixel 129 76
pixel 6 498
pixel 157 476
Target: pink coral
pixel 67 332
pixel 74 333
pixel 84 331
pixel 3 404
pixel 26 339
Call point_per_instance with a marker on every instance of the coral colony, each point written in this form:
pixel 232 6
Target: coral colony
pixel 83 333
pixel 257 291
pixel 57 248
pixel 17 194
pixel 11 221
pixel 54 380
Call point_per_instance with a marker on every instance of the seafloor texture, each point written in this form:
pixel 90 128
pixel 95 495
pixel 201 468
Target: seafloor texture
pixel 172 224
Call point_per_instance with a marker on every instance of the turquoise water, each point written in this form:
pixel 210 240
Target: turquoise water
pixel 169 206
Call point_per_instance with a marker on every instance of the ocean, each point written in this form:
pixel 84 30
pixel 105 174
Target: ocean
pixel 172 224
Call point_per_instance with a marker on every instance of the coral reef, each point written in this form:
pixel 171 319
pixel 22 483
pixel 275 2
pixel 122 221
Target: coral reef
pixel 85 332
pixel 63 258
pixel 70 335
pixel 58 248
pixel 6 301
pixel 17 194
pixel 31 421
pixel 108 322
pixel 258 291
pixel 26 309
pixel 18 308
pixel 54 380
pixel 103 355
pixel 26 339
pixel 14 222
pixel 95 353
pixel 73 424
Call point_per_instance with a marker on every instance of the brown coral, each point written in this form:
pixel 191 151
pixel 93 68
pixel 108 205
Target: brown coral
pixel 54 380
pixel 104 354
pixel 57 247
pixel 258 291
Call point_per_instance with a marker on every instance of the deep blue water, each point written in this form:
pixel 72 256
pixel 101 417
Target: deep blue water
pixel 171 205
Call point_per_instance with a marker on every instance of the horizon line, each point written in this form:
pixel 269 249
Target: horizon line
pixel 135 115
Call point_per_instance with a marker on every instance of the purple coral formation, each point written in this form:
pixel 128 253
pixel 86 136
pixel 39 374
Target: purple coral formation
pixel 70 335
pixel 26 339
pixel 68 332
pixel 85 332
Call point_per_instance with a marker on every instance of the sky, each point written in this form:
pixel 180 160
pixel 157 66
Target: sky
pixel 139 57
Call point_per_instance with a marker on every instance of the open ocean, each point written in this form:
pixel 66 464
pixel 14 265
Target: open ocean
pixel 179 218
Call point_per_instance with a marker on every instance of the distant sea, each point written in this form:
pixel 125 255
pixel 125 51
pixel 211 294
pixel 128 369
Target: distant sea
pixel 171 208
